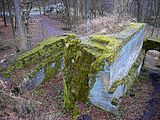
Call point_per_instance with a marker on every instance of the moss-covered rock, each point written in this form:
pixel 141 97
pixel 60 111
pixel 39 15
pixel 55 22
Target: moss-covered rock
pixel 43 55
pixel 76 70
pixel 114 101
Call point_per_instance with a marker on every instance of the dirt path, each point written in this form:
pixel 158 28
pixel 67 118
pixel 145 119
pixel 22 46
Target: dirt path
pixel 51 26
pixel 42 28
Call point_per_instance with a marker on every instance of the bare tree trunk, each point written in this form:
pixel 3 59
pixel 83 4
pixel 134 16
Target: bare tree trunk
pixel 87 13
pixel 126 4
pixel 39 6
pixel 44 11
pixel 21 31
pixel 12 26
pixel 115 6
pixel 155 20
pixel 4 16
pixel 67 13
pixel 138 12
pixel 77 15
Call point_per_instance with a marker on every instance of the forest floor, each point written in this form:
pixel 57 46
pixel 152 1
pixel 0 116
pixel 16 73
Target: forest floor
pixel 143 103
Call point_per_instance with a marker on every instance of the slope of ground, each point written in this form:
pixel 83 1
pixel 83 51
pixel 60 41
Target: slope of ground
pixel 144 100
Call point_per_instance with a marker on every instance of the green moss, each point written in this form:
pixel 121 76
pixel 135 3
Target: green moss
pixel 50 71
pixel 158 65
pixel 114 45
pixel 137 26
pixel 6 75
pixel 51 45
pixel 38 91
pixel 76 112
pixel 10 68
pixel 69 37
pixel 42 55
pixel 77 67
pixel 1 69
pixel 152 44
pixel 46 63
pixel 67 102
pixel 102 39
pixel 42 45
pixel 108 55
pixel 114 101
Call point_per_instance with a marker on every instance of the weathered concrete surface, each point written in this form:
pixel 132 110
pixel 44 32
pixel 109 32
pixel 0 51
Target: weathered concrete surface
pixel 34 82
pixel 127 56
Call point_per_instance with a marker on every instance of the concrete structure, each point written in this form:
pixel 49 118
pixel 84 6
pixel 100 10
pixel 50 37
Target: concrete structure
pixel 100 67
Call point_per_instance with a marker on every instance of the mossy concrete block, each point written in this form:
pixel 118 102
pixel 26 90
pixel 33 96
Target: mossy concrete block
pixel 127 56
pixel 120 67
pixel 47 58
pixel 34 82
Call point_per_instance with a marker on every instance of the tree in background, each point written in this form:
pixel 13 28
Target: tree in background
pixel 9 7
pixel 21 31
pixel 4 16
